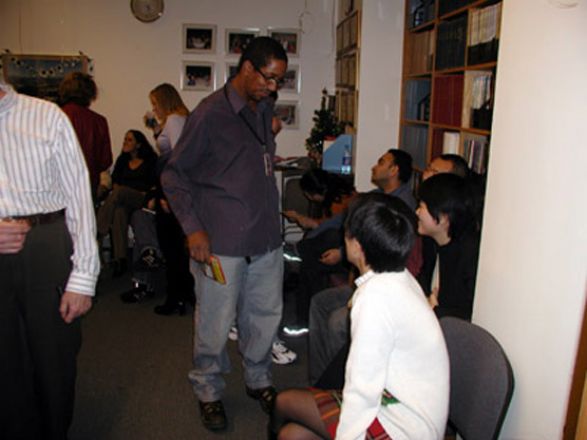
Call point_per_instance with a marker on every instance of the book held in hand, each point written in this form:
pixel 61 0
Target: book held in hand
pixel 213 270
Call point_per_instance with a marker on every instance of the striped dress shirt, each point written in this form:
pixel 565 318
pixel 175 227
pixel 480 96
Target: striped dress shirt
pixel 42 170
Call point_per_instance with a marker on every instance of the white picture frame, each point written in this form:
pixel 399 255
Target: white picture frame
pixel 288 113
pixel 199 38
pixel 292 80
pixel 198 76
pixel 237 39
pixel 289 38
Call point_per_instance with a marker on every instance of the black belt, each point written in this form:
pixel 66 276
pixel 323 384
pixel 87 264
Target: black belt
pixel 41 219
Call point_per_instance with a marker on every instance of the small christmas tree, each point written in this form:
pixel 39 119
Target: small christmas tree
pixel 326 126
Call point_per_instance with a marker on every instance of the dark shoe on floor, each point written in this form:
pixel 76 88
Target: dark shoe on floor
pixel 265 396
pixel 167 309
pixel 138 293
pixel 150 261
pixel 213 415
pixel 119 267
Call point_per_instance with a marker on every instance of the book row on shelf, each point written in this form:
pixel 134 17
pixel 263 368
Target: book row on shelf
pixel 484 33
pixel 417 100
pixel 421 48
pixel 477 99
pixel 460 99
pixel 422 11
pixel 346 70
pixel 347 33
pixel 479 38
pixel 473 147
pixel 348 36
pixel 451 43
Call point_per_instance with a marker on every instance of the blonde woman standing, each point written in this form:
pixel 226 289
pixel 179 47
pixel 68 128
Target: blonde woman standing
pixel 170 113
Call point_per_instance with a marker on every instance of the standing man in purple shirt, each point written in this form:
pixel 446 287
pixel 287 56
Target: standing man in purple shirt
pixel 221 186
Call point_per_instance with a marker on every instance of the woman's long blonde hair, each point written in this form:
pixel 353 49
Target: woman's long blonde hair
pixel 169 101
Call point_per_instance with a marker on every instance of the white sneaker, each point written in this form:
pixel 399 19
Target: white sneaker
pixel 295 331
pixel 233 333
pixel 282 355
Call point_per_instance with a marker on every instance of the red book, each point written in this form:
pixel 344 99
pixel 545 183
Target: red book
pixel 448 100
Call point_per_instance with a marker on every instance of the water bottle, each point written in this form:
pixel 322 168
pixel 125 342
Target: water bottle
pixel 347 160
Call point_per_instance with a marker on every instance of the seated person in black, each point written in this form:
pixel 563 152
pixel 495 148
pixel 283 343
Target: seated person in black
pixel 333 194
pixel 132 178
pixel 446 215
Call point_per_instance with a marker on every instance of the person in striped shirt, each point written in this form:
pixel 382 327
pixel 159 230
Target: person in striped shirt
pixel 48 265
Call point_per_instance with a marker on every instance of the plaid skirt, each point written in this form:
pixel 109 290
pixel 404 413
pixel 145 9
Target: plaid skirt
pixel 329 403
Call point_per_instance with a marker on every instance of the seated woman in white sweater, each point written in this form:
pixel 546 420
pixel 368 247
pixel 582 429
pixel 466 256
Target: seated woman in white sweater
pixel 397 373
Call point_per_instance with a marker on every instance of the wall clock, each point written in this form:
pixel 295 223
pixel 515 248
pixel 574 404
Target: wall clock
pixel 147 10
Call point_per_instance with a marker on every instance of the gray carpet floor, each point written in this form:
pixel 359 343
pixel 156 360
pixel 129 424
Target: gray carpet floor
pixel 132 375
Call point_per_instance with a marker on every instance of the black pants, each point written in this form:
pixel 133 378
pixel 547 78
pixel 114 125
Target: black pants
pixel 38 349
pixel 314 275
pixel 180 283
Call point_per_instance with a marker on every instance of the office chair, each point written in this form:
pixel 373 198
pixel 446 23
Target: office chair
pixel 481 380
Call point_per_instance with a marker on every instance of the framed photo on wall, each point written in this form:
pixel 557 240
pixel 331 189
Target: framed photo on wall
pixel 287 112
pixel 40 75
pixel 291 80
pixel 237 40
pixel 199 38
pixel 289 39
pixel 197 75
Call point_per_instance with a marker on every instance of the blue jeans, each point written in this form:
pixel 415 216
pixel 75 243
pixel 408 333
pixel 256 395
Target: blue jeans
pixel 252 294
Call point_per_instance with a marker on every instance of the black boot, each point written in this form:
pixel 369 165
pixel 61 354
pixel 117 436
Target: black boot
pixel 167 309
pixel 138 293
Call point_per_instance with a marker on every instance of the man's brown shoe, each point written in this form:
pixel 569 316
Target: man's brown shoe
pixel 213 415
pixel 265 396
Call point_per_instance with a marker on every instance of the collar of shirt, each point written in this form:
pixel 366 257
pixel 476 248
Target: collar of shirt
pixel 237 102
pixel 358 282
pixel 9 100
pixel 364 278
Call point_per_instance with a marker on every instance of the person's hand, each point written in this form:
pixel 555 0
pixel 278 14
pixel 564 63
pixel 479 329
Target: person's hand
pixel 12 236
pixel 307 222
pixel 165 206
pixel 150 121
pixel 73 305
pixel 291 215
pixel 302 220
pixel 331 257
pixel 433 298
pixel 199 246
pixel 276 125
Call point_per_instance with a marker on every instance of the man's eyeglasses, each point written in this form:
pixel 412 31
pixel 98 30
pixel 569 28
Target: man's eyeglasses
pixel 277 81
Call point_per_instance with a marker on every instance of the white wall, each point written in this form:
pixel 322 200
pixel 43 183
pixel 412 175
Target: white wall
pixel 131 57
pixel 532 272
pixel 379 84
pixel 533 267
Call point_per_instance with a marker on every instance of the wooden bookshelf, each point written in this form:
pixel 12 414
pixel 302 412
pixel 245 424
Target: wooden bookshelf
pixel 449 65
pixel 348 43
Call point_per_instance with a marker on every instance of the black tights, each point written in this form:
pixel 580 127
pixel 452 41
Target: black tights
pixel 297 417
